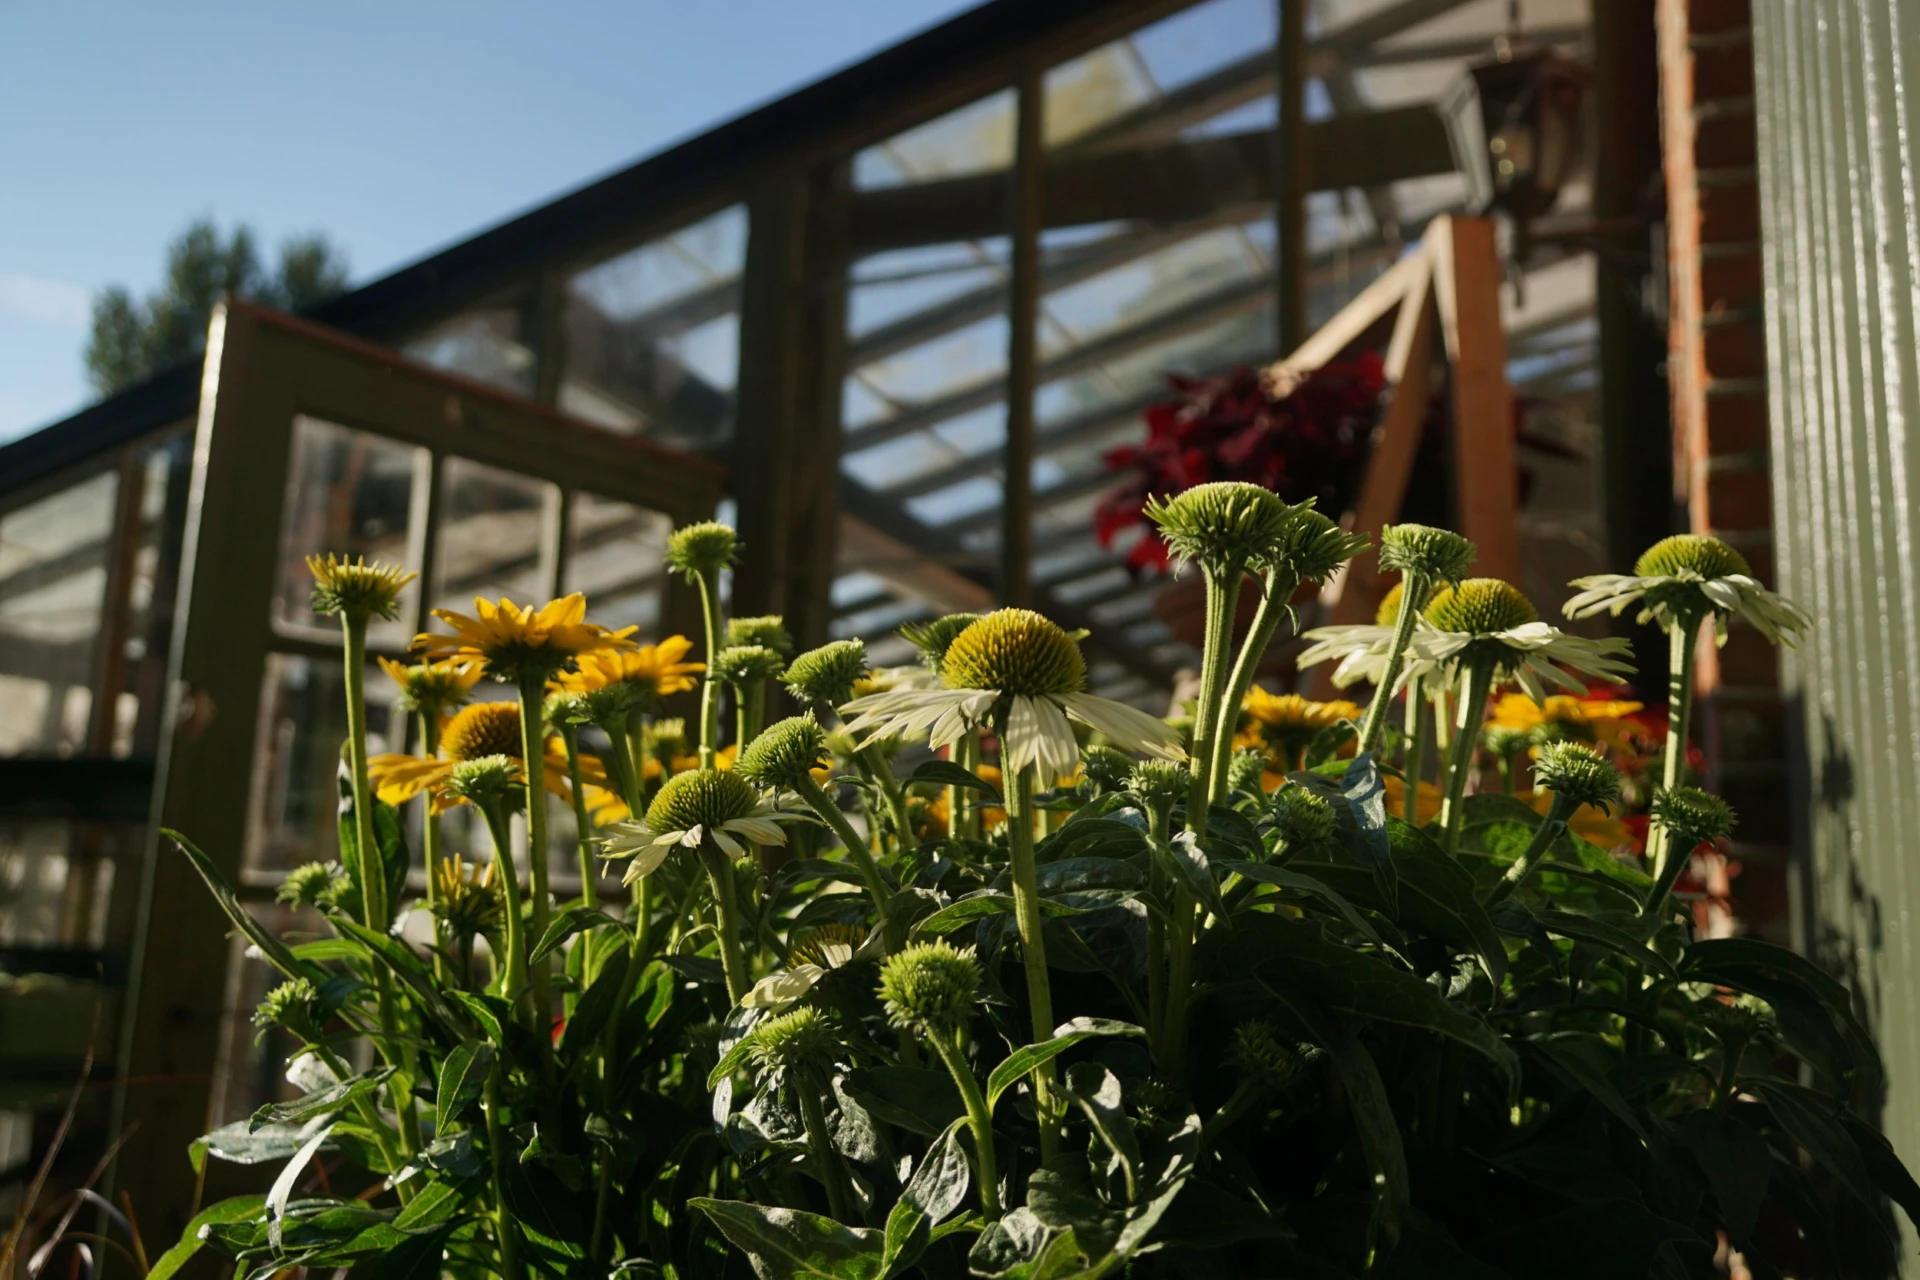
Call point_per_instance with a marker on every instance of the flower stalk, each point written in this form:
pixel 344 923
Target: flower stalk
pixel 1277 590
pixel 1416 587
pixel 979 1119
pixel 1033 947
pixel 1414 763
pixel 533 754
pixel 1466 735
pixel 513 973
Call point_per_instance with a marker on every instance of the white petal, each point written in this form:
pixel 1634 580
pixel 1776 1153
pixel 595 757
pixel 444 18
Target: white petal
pixel 691 837
pixel 646 863
pixel 1059 749
pixel 733 848
pixel 1523 675
pixel 758 830
pixel 1129 727
pixel 778 990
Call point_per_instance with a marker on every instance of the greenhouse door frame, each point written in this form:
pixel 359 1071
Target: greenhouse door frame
pixel 263 372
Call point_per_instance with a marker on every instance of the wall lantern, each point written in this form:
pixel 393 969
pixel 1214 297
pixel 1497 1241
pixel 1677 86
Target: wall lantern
pixel 1516 127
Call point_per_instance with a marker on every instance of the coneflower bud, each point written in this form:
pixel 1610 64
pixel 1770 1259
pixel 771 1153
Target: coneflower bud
pixel 1223 526
pixel 1266 1060
pixel 827 674
pixel 294 1005
pixel 485 780
pixel 1159 783
pixel 1311 547
pixel 933 638
pixel 740 663
pixel 930 986
pixel 1246 771
pixel 568 710
pixel 784 754
pixel 355 588
pixel 1301 818
pixel 1578 774
pixel 801 1040
pixel 1107 768
pixel 768 631
pixel 311 885
pixel 1692 816
pixel 701 550
pixel 1437 555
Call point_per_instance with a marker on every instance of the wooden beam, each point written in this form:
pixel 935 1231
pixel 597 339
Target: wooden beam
pixel 1173 182
pixel 1467 277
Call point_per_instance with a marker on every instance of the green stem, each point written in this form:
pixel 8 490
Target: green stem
pixel 513 976
pixel 1544 837
pixel 1277 592
pixel 369 1117
pixel 1223 597
pixel 583 825
pixel 1667 862
pixel 709 687
pixel 749 708
pixel 368 871
pixel 1033 946
pixel 979 1119
pixel 431 851
pixel 821 803
pixel 826 1159
pixel 1179 982
pixel 965 823
pixel 533 755
pixel 1159 821
pixel 1473 704
pixel 1414 587
pixel 504 1230
pixel 726 901
pixel 878 769
pixel 1416 758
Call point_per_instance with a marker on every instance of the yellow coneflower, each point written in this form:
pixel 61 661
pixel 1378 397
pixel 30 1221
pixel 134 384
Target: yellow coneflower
pixel 654 669
pixel 1285 724
pixel 1563 716
pixel 481 730
pixel 511 641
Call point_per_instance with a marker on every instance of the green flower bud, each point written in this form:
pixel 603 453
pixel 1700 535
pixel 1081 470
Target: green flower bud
pixel 355 588
pixel 1159 783
pixel 568 710
pixel 930 986
pixel 1692 816
pixel 769 632
pixel 933 638
pixel 1246 771
pixel 1303 819
pixel 1578 773
pixel 1506 743
pixel 609 705
pixel 1107 767
pixel 1437 555
pixel 1224 526
pixel 744 663
pixel 1312 547
pixel 828 674
pixel 702 550
pixel 294 1005
pixel 1015 651
pixel 802 1040
pixel 311 885
pixel 484 780
pixel 784 753
pixel 1481 606
pixel 1266 1060
pixel 704 798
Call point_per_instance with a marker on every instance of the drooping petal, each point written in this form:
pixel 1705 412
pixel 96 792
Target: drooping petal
pixel 646 862
pixel 778 990
pixel 733 848
pixel 1130 728
pixel 1059 750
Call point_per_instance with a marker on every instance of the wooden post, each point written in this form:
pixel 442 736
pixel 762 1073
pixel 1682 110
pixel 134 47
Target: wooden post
pixel 1023 342
pixel 1292 178
pixel 1467 286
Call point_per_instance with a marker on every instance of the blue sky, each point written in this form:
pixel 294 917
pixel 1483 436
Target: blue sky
pixel 395 128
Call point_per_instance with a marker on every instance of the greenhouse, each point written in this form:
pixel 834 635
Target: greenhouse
pixel 940 335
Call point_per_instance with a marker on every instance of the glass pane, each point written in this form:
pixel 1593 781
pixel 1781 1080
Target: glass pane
pixel 53 580
pixel 615 554
pixel 349 493
pixel 653 336
pixel 495 537
pixel 303 721
pixel 482 345
pixel 977 138
pixel 151 588
pixel 57 879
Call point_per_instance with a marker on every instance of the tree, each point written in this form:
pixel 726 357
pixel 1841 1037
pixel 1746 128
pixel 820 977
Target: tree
pixel 133 340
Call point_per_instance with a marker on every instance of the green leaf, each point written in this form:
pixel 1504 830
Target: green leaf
pixel 1070 875
pixel 1438 898
pixel 730 1061
pixel 324 950
pixel 1184 859
pixel 1298 953
pixel 270 946
pixel 1813 1122
pixel 565 924
pixel 789 1243
pixel 1366 797
pixel 1607 1238
pixel 1097 1091
pixel 977 906
pixel 945 773
pixel 463 1076
pixel 1603 933
pixel 238 1209
pixel 1300 882
pixel 411 970
pixel 1885 1167
pixel 419 1258
pixel 1737 1162
pixel 1815 1010
pixel 917 1099
pixel 488 1012
pixel 1068 1034
pixel 435 1206
pixel 335 1097
pixel 390 859
pixel 936 1190
pixel 1372 1113
pixel 240 1143
pixel 597 1005
pixel 1497 806
pixel 1585 1061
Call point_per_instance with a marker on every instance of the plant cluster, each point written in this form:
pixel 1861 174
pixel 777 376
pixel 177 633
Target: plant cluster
pixel 963 969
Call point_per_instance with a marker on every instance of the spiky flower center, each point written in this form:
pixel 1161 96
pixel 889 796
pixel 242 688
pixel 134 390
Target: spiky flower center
pixel 292 1005
pixel 483 729
pixel 784 752
pixel 310 885
pixel 485 778
pixel 705 798
pixel 1692 816
pixel 934 638
pixel 431 687
pixel 1577 773
pixel 1246 771
pixel 1312 546
pixel 768 631
pixel 1302 819
pixel 1015 651
pixel 1107 767
pixel 1690 553
pixel 1481 607
pixel 794 1041
pixel 1222 524
pixel 829 946
pixel 1438 555
pixel 828 674
pixel 1159 782
pixel 703 549
pixel 930 985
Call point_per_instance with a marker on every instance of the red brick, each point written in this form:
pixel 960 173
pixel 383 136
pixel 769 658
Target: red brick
pixel 1736 424
pixel 1735 351
pixel 1763 899
pixel 1748 659
pixel 1723 71
pixel 1733 281
pixel 1725 141
pixel 1739 499
pixel 1729 214
pixel 1718 15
